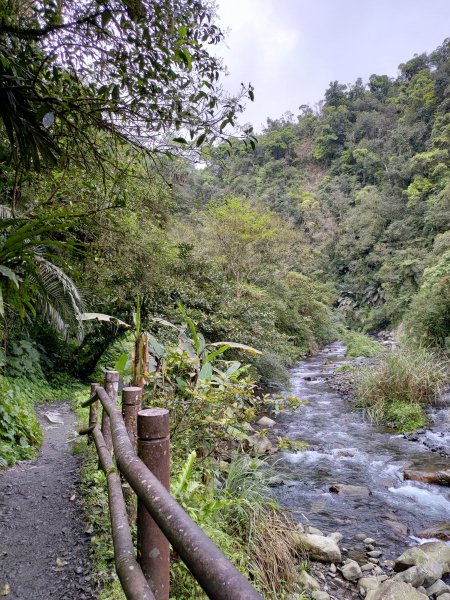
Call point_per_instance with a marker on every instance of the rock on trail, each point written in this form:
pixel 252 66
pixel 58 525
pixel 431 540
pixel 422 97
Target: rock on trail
pixel 44 549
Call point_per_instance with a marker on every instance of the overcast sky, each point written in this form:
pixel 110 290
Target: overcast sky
pixel 290 50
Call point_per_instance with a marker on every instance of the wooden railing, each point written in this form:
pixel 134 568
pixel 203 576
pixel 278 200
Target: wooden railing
pixel 133 445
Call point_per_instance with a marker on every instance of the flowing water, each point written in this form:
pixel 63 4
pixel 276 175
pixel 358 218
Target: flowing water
pixel 346 449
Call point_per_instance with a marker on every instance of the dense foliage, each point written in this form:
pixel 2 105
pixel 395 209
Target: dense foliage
pixel 365 181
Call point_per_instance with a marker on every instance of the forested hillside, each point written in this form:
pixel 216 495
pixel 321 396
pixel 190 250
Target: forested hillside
pixel 364 181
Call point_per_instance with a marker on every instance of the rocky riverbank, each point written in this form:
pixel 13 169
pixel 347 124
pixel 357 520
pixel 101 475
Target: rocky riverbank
pixel 340 573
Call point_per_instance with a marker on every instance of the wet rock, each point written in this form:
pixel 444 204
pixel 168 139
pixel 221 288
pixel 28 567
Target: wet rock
pixel 307 583
pixel 319 547
pixel 399 528
pixel 420 555
pixel 368 567
pixel 374 553
pixel 440 531
pixel 265 422
pixel 369 540
pixel 351 571
pixel 395 590
pixel 438 588
pixel 438 477
pixel 350 490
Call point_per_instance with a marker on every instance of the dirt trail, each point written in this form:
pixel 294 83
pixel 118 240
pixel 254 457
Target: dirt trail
pixel 44 549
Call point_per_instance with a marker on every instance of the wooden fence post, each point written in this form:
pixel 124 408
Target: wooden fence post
pixel 153 547
pixel 131 405
pixel 111 387
pixel 93 410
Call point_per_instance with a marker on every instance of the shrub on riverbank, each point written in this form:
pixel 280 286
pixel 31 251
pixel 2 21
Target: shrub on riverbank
pixel 401 383
pixel 359 344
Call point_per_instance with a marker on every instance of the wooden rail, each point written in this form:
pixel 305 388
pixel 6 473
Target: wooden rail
pixel 160 518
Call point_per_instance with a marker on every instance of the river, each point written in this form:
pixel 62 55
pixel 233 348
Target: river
pixel 346 449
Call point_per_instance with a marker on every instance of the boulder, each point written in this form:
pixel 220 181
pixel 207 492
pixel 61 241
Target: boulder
pixel 415 576
pixel 371 583
pixel 438 477
pixel 420 555
pixel 315 531
pixel 307 583
pixel 444 596
pixel 350 490
pixel 319 595
pixel 438 588
pixel 351 570
pixel 265 422
pixel 319 547
pixel 395 590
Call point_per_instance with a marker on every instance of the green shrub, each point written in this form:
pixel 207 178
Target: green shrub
pixel 20 433
pixel 359 344
pixel 399 385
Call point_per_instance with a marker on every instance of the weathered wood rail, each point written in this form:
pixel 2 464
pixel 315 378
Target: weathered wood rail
pixel 133 445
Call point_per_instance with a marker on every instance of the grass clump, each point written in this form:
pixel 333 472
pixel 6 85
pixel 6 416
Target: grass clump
pixel 359 344
pixel 397 388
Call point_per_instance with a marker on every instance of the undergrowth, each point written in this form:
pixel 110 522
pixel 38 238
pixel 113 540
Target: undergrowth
pixel 20 431
pixel 397 388
pixel 359 344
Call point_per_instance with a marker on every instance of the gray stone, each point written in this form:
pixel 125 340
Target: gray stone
pixel 419 555
pixel 351 570
pixel 374 553
pixel 368 567
pixel 369 540
pixel 333 568
pixel 315 531
pixel 307 583
pixel 335 536
pixel 371 583
pixel 375 561
pixel 444 596
pixel 422 590
pixel 395 590
pixel 266 422
pixel 415 576
pixel 318 547
pixel 350 490
pixel 438 588
pixel 259 444
pixel 320 595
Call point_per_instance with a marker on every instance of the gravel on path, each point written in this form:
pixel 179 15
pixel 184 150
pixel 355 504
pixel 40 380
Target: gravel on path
pixel 44 546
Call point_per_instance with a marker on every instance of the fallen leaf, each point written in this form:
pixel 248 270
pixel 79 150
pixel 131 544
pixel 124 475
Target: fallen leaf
pixel 60 562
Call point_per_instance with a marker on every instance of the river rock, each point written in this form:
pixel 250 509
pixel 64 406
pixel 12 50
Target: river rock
pixel 335 536
pixel 371 583
pixel 319 547
pixel 260 444
pixel 369 541
pixel 444 596
pixel 438 477
pixel 415 576
pixel 441 531
pixel 315 531
pixel 350 490
pixel 420 555
pixel 374 553
pixel 368 567
pixel 395 590
pixel 351 570
pixel 320 595
pixel 307 583
pixel 438 588
pixel 265 422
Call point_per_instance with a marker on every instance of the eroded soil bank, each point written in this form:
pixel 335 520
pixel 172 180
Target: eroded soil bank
pixel 44 546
